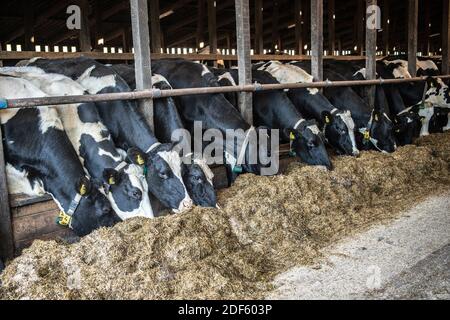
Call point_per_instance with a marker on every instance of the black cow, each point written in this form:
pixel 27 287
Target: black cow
pixel 214 112
pixel 40 159
pixel 375 129
pixel 337 125
pixel 197 176
pixel 128 128
pixel 274 110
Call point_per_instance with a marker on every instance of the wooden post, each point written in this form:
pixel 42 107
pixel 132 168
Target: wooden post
pixel 98 32
pixel 276 40
pixel 317 39
pixel 413 16
pixel 306 23
pixel 259 38
pixel 29 25
pixel 6 233
pixel 386 26
pixel 200 22
pixel 446 38
pixel 298 12
pixel 244 59
pixel 371 44
pixel 425 48
pixel 85 33
pixel 1 61
pixel 212 26
pixel 155 26
pixel 142 62
pixel 331 27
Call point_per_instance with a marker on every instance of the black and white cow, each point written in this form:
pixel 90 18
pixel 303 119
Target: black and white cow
pixel 128 128
pixel 375 129
pixel 337 125
pixel 214 111
pixel 273 109
pixel 40 159
pixel 197 176
pixel 124 183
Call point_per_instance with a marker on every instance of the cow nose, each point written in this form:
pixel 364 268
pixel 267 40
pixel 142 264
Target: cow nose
pixel 356 153
pixel 186 204
pixel 106 210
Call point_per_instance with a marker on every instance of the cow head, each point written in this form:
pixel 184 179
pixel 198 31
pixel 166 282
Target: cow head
pixel 407 127
pixel 339 129
pixel 93 210
pixel 163 171
pixel 381 132
pixel 127 190
pixel 197 177
pixel 307 144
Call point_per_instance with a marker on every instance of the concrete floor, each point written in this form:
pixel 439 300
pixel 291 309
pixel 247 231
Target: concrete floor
pixel 406 259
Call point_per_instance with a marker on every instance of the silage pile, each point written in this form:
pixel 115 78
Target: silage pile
pixel 266 225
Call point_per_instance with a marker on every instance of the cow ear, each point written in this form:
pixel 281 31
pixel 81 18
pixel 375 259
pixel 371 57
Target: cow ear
pixel 83 186
pixel 136 156
pixel 111 177
pixel 327 117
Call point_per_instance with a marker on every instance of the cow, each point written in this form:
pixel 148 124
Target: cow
pixel 124 183
pixel 338 125
pixel 375 128
pixel 128 128
pixel 273 109
pixel 214 112
pixel 41 160
pixel 197 176
pixel 387 98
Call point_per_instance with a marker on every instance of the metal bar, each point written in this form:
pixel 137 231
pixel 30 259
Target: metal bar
pixel 155 26
pixel 244 60
pixel 413 16
pixel 141 43
pixel 259 40
pixel 85 34
pixel 331 27
pixel 446 38
pixel 6 233
pixel 371 44
pixel 155 93
pixel 317 39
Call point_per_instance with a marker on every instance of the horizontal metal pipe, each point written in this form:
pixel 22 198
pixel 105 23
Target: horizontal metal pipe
pixel 156 93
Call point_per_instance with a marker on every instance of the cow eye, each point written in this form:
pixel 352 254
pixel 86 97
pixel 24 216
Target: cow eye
pixel 163 175
pixel 311 144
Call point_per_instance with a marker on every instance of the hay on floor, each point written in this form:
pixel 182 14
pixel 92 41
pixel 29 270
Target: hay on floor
pixel 266 225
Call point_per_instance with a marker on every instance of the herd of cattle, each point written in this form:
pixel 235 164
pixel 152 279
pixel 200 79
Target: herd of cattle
pixel 102 163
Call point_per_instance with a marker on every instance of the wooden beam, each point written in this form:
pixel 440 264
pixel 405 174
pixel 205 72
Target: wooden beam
pixel 259 38
pixel 6 232
pixel 386 25
pixel 155 26
pixel 298 12
pixel 317 39
pixel 413 16
pixel 446 38
pixel 142 61
pixel 85 34
pixel 200 22
pixel 371 44
pixel 331 26
pixel 244 59
pixel 212 26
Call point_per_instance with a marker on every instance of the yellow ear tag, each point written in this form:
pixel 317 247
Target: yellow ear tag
pixel 291 136
pixel 63 219
pixel 111 180
pixel 366 135
pixel 83 190
pixel 327 120
pixel 140 161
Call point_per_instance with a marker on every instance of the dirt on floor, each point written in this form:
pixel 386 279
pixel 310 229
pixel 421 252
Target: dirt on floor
pixel 265 226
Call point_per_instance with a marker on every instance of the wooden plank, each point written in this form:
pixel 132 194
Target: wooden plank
pixel 212 26
pixel 386 25
pixel 413 16
pixel 142 62
pixel 259 18
pixel 317 39
pixel 6 232
pixel 62 233
pixel 446 38
pixel 331 27
pixel 20 200
pixel 155 26
pixel 371 44
pixel 244 59
pixel 298 12
pixel 85 33
pixel 30 226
